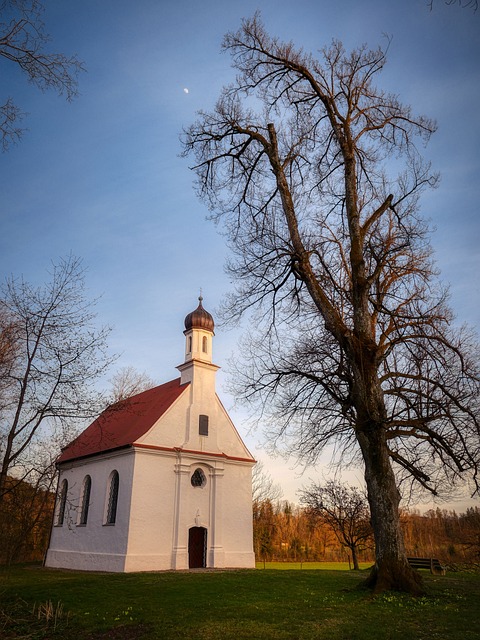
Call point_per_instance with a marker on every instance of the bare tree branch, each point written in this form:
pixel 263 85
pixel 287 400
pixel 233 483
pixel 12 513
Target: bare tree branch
pixel 354 342
pixel 23 41
pixel 464 4
pixel 51 354
pixel 345 510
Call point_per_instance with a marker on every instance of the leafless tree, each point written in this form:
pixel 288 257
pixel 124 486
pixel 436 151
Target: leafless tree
pixel 56 356
pixel 23 41
pixel 345 510
pixel 127 382
pixel 263 486
pixel 315 174
pixel 464 4
pixel 7 352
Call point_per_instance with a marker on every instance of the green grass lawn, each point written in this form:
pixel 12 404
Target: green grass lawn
pixel 263 604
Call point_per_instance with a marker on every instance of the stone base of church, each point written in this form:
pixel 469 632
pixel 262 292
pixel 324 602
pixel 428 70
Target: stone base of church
pixel 119 563
pixel 85 561
pixel 150 562
pixel 179 559
pixel 216 557
pixel 239 560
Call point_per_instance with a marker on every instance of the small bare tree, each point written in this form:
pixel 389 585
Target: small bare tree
pixel 127 382
pixel 464 4
pixel 315 174
pixel 263 486
pixel 23 41
pixel 54 358
pixel 345 510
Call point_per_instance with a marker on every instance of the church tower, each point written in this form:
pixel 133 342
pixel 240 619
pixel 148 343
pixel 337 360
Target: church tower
pixel 198 332
pixel 199 371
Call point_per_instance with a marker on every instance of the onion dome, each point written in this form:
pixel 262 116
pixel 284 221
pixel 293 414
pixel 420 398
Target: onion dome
pixel 199 319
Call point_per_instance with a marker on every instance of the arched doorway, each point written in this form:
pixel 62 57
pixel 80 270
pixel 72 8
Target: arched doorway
pixel 197 547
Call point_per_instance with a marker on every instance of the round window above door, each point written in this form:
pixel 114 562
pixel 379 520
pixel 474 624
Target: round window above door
pixel 198 478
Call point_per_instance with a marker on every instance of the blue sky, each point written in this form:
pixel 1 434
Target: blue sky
pixel 102 178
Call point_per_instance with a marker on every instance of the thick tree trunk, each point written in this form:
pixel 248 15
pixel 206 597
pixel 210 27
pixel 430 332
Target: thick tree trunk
pixel 391 570
pixel 355 558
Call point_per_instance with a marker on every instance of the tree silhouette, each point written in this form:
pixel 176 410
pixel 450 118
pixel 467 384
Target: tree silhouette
pixel 23 41
pixel 315 175
pixel 345 510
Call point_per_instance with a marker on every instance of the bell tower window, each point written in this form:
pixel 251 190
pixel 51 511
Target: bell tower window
pixel 204 344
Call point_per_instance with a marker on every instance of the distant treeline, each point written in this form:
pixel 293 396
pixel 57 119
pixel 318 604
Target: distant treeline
pixel 285 532
pixel 26 514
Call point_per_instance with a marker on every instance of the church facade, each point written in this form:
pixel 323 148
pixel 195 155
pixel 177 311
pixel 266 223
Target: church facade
pixel 161 481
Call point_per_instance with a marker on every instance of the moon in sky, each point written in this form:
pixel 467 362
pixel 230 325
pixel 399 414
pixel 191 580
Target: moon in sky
pixel 185 90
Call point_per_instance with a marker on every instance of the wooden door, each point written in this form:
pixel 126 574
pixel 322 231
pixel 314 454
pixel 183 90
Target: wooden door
pixel 197 547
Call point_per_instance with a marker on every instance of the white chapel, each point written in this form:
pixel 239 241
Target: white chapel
pixel 160 481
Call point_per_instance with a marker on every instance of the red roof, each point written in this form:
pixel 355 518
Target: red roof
pixel 125 422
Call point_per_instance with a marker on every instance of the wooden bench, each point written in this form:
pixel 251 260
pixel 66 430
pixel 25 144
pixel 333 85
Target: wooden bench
pixel 432 564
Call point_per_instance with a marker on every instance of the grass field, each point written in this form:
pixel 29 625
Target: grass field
pixel 41 604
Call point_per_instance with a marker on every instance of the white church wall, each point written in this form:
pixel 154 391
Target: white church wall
pixel 229 440
pixel 95 545
pixel 152 512
pixel 169 430
pixel 237 516
pixel 225 495
pixel 179 427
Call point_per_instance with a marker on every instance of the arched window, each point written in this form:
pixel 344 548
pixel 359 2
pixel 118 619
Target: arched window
pixel 85 502
pixel 62 503
pixel 198 478
pixel 112 498
pixel 204 344
pixel 189 344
